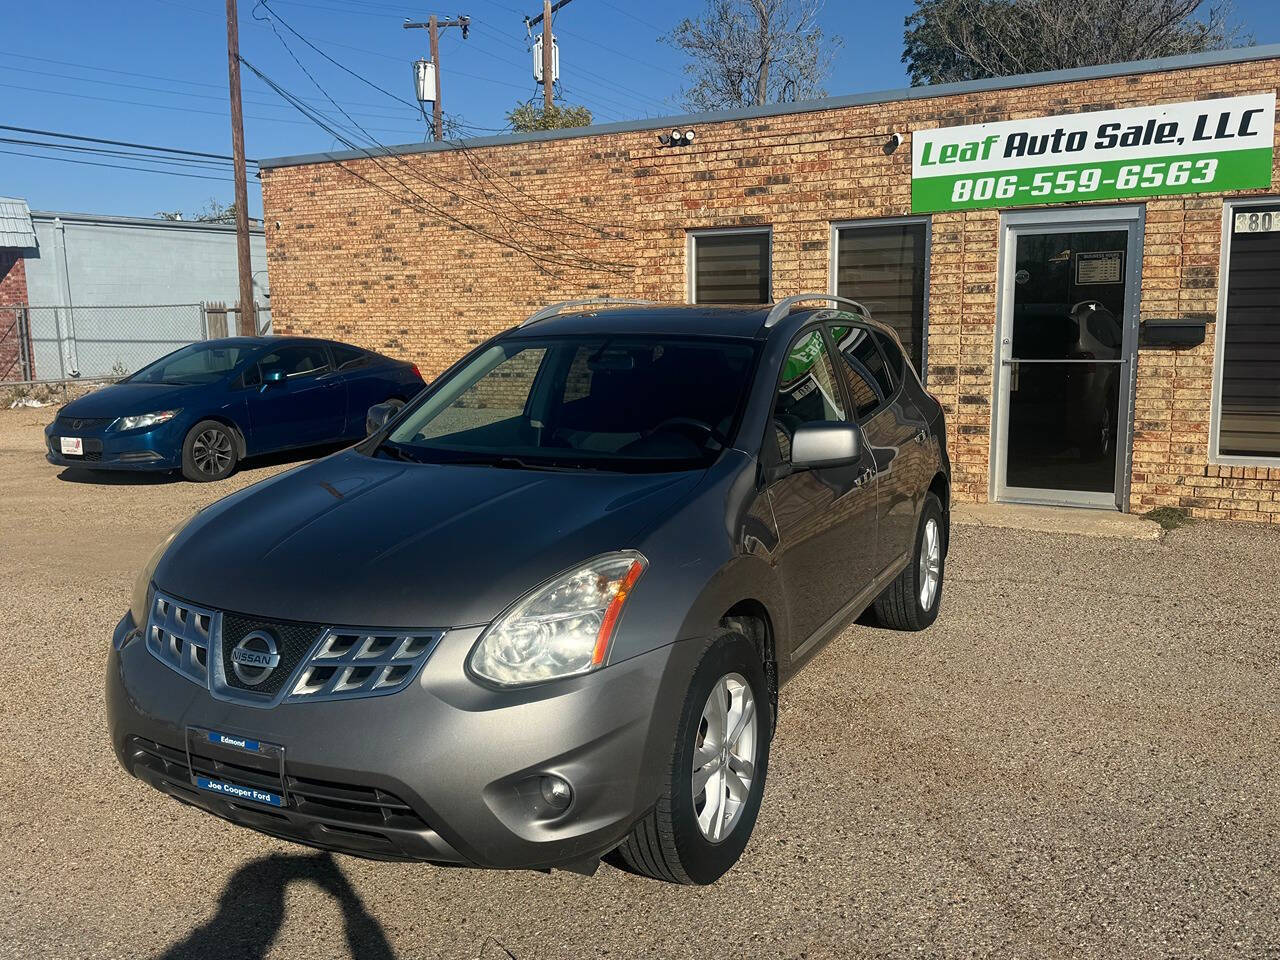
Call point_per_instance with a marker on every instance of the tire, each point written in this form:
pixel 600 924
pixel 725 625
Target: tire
pixel 675 841
pixel 210 452
pixel 905 604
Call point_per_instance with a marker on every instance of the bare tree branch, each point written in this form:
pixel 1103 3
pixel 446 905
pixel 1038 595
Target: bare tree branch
pixel 950 40
pixel 751 52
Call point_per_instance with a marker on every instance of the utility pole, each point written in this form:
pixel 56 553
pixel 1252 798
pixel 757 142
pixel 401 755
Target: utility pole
pixel 433 26
pixel 548 49
pixel 246 316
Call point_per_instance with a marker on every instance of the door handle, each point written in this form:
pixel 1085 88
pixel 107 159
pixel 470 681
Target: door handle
pixel 864 477
pixel 921 435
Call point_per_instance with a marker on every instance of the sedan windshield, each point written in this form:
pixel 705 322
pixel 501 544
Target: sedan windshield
pixel 611 403
pixel 198 363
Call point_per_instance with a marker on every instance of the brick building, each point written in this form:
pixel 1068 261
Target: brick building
pixel 1122 352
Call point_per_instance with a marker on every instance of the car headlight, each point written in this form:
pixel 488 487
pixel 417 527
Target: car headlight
pixel 563 628
pixel 140 601
pixel 146 419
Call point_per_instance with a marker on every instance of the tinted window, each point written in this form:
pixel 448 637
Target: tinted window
pixel 617 403
pixel 886 268
pixel 892 355
pixel 298 360
pixel 1249 418
pixel 731 268
pixel 198 363
pixel 348 358
pixel 807 392
pixel 863 359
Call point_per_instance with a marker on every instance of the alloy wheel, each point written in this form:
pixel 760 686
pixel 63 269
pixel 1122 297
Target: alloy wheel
pixel 724 756
pixel 212 452
pixel 930 563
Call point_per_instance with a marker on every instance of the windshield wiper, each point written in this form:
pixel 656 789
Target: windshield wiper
pixel 397 451
pixel 510 462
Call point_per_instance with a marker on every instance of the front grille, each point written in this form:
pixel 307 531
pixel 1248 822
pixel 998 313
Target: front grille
pixel 83 423
pixel 293 641
pixel 348 804
pixel 179 634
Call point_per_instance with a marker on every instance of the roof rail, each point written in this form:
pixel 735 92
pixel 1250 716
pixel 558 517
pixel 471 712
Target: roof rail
pixel 558 308
pixel 784 306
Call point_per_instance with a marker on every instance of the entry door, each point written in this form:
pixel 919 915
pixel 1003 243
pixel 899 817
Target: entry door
pixel 1065 353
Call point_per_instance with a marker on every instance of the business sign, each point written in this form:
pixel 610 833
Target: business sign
pixel 1201 147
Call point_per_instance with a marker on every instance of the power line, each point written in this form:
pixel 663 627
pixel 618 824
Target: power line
pixel 119 143
pixel 117 166
pixel 189 162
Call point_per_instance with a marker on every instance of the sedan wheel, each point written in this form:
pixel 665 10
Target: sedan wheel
pixel 930 563
pixel 210 452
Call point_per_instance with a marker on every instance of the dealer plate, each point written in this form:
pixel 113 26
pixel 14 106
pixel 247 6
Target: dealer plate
pixel 237 792
pixel 73 446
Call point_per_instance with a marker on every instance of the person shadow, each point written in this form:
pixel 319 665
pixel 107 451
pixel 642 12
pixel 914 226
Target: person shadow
pixel 251 911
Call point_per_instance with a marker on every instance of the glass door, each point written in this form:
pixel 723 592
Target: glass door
pixel 1066 341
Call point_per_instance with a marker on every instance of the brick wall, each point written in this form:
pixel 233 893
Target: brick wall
pixel 425 255
pixel 13 292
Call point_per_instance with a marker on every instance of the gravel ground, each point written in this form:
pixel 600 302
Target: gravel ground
pixel 1077 759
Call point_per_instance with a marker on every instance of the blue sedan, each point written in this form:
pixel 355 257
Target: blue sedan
pixel 204 408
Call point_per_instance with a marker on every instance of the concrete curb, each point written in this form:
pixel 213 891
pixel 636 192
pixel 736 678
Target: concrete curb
pixel 1064 520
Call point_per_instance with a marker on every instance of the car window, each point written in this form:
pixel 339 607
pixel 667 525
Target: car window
pixel 626 402
pixel 893 355
pixel 807 392
pixel 500 395
pixel 868 375
pixel 298 360
pixel 348 358
pixel 198 363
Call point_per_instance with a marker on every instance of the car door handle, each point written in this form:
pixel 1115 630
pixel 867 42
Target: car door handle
pixel 921 435
pixel 864 477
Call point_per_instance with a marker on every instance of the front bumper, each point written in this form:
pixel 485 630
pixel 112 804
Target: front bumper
pixel 106 449
pixel 444 771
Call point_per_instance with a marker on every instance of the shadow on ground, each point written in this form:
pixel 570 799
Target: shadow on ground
pixel 142 478
pixel 251 911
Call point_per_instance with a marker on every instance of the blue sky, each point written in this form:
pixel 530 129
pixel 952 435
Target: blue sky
pixel 154 71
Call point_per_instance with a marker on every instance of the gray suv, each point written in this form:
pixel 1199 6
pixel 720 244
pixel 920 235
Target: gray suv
pixel 541 614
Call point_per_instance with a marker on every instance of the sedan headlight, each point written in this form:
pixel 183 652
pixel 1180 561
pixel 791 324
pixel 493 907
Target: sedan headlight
pixel 146 419
pixel 562 628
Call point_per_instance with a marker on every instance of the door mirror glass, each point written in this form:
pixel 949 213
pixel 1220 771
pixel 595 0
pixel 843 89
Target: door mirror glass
pixel 378 416
pixel 830 444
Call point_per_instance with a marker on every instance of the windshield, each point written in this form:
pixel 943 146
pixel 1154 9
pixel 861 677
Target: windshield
pixel 611 403
pixel 198 363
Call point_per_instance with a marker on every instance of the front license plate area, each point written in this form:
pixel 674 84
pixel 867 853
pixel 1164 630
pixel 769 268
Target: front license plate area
pixel 72 446
pixel 237 767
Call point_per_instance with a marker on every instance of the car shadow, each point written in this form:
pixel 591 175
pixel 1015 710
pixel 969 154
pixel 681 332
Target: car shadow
pixel 145 478
pixel 251 912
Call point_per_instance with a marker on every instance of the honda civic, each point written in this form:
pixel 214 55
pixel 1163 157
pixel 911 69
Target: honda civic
pixel 541 614
pixel 204 408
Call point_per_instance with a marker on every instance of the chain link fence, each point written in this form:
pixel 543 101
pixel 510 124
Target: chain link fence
pixel 48 344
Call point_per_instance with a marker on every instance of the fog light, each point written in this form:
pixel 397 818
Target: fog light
pixel 556 792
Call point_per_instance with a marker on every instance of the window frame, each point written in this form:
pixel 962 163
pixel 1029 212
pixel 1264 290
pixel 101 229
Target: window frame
pixel 833 269
pixel 886 400
pixel 691 254
pixel 1229 208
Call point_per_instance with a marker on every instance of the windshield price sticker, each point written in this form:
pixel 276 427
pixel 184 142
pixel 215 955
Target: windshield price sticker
pixel 1198 147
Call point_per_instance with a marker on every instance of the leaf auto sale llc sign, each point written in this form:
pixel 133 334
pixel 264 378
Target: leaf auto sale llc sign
pixel 1199 147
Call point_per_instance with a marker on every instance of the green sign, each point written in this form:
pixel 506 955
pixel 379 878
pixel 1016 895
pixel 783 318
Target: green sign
pixel 1209 146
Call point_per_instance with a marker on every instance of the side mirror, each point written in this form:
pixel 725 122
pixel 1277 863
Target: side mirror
pixel 378 416
pixel 829 444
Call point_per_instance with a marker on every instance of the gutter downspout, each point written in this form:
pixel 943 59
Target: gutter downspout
pixel 68 355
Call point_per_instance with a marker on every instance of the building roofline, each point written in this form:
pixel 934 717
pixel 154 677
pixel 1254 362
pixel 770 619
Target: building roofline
pixel 1212 58
pixel 49 215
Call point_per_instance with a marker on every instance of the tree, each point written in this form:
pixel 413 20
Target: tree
pixel 526 118
pixel 951 40
pixel 746 53
pixel 216 212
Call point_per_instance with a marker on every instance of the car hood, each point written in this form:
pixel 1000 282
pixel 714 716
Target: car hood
pixel 128 399
pixel 356 541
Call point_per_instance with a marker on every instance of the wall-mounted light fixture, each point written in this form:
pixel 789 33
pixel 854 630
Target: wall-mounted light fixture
pixel 678 138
